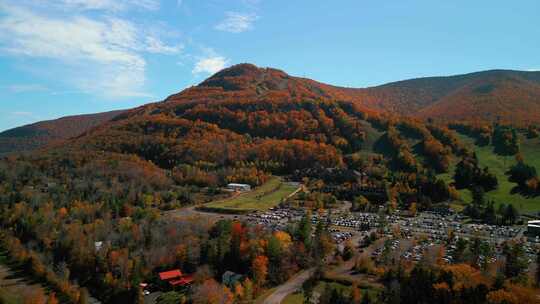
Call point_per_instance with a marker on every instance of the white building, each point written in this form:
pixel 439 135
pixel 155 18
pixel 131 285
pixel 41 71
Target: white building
pixel 238 187
pixel 533 227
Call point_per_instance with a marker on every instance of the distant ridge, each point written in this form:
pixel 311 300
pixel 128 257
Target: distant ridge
pixel 36 135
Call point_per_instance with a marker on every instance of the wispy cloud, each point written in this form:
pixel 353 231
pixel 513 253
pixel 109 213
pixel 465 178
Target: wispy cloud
pixel 23 88
pixel 108 5
pixel 210 64
pixel 154 45
pixel 236 22
pixel 109 50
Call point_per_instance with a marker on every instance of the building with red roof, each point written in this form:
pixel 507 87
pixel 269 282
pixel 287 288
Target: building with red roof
pixel 184 281
pixel 175 278
pixel 171 274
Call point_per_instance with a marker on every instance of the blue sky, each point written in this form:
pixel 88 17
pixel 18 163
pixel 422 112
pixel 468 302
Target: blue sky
pixel 64 57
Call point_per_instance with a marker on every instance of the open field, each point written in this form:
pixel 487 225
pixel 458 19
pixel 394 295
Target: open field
pixel 295 298
pixel 298 297
pixel 261 198
pixel 530 148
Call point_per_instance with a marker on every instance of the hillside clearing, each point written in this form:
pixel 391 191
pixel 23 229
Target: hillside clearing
pixel 261 198
pixel 499 165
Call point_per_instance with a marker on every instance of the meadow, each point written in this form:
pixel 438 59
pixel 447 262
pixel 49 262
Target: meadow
pixel 261 198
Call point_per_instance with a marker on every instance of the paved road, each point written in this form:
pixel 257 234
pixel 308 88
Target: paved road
pixel 289 287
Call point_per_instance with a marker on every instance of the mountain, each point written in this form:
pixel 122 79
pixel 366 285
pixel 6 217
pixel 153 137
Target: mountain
pixel 512 96
pixel 33 136
pixel 490 95
pixel 509 95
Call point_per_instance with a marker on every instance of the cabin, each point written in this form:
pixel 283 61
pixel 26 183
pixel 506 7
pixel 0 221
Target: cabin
pixel 175 278
pixel 238 187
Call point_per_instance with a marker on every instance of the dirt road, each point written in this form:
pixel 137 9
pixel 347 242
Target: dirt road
pixel 192 212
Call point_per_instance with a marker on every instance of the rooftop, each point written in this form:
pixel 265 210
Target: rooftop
pixel 171 274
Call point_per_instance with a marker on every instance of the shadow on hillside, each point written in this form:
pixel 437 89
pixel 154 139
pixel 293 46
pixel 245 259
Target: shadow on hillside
pixel 524 192
pixel 17 273
pixel 382 146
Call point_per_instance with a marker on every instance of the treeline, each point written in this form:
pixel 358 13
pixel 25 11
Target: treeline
pixel 459 283
pixel 203 176
pixel 320 121
pixel 526 177
pixel 484 210
pixel 412 183
pixel 57 279
pixel 403 157
pixel 469 175
pixel 504 138
pixel 169 142
pixel 437 143
pixel 482 133
pixel 437 154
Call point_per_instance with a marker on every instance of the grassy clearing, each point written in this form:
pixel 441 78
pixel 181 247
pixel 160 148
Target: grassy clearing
pixel 262 198
pixel 294 298
pixel 260 299
pixel 298 297
pixel 372 136
pixel 530 148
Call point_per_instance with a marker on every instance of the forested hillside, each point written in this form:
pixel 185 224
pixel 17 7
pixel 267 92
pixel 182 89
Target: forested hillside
pixel 498 95
pixel 33 136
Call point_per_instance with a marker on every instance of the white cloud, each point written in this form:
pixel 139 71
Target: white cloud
pixel 210 64
pixel 237 22
pixel 104 54
pixel 147 4
pixel 109 5
pixel 92 4
pixel 154 45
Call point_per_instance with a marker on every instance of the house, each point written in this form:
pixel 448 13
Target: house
pixel 98 245
pixel 230 278
pixel 239 187
pixel 175 278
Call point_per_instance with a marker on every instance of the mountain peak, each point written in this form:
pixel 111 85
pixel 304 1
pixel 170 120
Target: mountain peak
pixel 243 76
pixel 241 69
